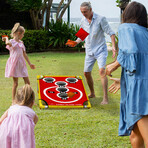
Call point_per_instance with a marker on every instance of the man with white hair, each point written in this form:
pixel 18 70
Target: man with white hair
pixel 95 46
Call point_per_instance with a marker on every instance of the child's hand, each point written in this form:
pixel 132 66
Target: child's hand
pixel 114 87
pixel 32 66
pixel 4 37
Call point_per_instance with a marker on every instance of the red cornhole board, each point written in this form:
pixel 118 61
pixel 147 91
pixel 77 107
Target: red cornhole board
pixel 82 34
pixel 54 92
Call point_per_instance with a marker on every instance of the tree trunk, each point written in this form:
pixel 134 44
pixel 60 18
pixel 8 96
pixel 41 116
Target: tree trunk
pixel 38 16
pixel 36 21
pixel 48 13
pixel 32 18
pixel 59 8
pixel 42 12
pixel 63 11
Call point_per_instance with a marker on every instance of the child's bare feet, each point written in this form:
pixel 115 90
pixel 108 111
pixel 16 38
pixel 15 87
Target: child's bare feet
pixel 91 96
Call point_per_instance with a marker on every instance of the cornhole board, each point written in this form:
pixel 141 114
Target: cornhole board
pixel 55 92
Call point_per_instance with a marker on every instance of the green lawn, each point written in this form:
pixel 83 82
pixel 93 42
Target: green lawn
pixel 96 127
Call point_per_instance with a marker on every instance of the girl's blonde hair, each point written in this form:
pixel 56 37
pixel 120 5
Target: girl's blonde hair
pixel 17 28
pixel 25 95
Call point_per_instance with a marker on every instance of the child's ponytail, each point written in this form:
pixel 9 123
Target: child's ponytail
pixel 17 28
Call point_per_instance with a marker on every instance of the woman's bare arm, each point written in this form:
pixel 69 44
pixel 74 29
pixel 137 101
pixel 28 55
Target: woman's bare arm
pixel 112 67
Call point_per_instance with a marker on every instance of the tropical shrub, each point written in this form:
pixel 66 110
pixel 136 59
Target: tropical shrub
pixel 60 32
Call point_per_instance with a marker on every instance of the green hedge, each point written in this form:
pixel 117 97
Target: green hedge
pixel 34 40
pixel 42 40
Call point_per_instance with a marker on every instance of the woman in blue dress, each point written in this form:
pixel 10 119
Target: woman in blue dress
pixel 133 58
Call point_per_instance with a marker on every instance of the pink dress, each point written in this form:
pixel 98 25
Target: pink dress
pixel 17 130
pixel 16 64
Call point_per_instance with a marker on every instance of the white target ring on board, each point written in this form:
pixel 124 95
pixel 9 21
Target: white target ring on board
pixel 45 93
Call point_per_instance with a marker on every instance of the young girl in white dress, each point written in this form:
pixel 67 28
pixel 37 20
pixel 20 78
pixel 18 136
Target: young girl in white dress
pixel 16 65
pixel 18 122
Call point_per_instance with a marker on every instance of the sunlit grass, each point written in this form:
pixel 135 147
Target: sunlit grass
pixel 96 127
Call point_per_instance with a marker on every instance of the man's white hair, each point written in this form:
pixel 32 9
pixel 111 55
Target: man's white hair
pixel 86 4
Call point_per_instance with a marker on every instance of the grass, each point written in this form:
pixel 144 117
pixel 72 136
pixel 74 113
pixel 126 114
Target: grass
pixel 96 127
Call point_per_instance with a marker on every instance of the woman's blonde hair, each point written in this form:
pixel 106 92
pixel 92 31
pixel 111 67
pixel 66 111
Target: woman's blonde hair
pixel 17 28
pixel 25 95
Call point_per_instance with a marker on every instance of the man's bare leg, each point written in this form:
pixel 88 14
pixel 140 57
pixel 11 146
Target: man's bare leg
pixel 104 82
pixel 90 83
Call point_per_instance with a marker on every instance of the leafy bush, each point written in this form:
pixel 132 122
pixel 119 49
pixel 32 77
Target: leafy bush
pixel 34 40
pixel 42 40
pixel 60 32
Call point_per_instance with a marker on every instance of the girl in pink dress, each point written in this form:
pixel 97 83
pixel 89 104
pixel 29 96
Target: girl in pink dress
pixel 18 122
pixel 16 65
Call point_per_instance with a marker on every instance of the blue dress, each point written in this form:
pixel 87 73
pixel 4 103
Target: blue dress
pixel 133 58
